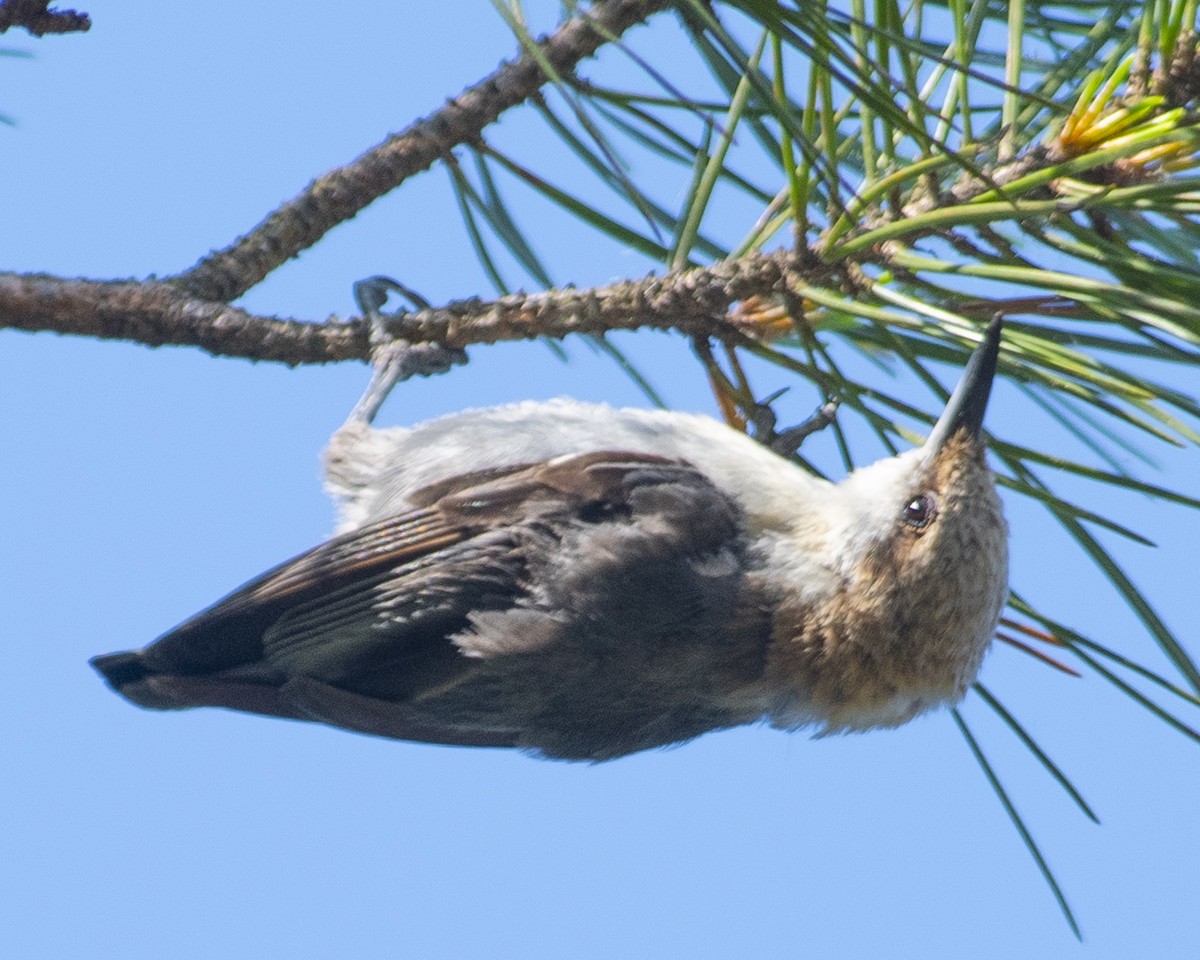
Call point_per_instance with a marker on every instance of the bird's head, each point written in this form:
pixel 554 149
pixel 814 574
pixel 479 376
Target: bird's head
pixel 920 572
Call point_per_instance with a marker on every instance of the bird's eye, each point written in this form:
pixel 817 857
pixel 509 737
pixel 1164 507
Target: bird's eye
pixel 920 511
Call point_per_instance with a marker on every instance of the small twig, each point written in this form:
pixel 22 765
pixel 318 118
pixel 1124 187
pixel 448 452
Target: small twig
pixel 36 17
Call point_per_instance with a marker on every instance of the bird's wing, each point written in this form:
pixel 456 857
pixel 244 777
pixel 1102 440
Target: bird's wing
pixel 362 630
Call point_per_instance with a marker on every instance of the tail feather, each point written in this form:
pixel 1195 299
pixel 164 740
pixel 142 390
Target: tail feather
pixel 134 677
pixel 120 669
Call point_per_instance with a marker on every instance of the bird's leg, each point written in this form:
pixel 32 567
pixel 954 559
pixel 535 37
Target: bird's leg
pixel 788 442
pixel 393 359
pixel 354 457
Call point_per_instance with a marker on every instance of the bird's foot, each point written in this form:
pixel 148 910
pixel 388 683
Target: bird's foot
pixel 392 358
pixel 786 442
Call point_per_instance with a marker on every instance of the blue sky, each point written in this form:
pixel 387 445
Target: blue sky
pixel 142 484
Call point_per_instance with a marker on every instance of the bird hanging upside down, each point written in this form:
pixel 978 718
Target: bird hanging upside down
pixel 584 582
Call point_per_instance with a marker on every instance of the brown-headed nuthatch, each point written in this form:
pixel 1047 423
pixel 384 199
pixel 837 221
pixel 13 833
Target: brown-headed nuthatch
pixel 584 582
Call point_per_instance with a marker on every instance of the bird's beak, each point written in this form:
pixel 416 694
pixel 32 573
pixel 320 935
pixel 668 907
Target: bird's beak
pixel 965 409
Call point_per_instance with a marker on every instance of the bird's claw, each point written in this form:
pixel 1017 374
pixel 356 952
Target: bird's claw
pixel 763 421
pixel 394 359
pixel 787 442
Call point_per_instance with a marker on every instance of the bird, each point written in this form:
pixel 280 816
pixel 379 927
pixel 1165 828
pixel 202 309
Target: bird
pixel 582 583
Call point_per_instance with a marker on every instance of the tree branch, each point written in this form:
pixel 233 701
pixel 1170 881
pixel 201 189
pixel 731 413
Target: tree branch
pixel 340 194
pixel 695 302
pixel 155 313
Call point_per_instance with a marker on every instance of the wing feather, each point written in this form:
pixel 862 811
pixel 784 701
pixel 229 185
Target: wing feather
pixel 578 606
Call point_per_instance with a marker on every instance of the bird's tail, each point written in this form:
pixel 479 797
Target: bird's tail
pixel 137 678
